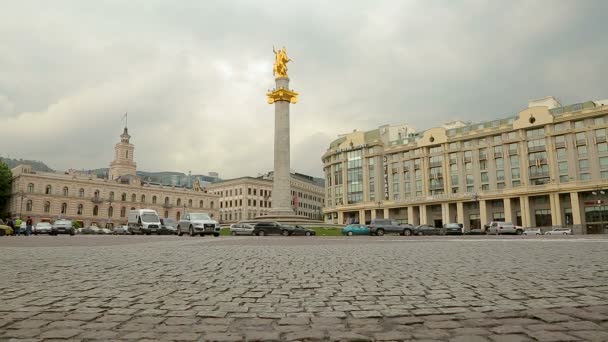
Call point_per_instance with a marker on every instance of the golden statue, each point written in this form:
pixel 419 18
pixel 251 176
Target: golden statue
pixel 197 185
pixel 280 62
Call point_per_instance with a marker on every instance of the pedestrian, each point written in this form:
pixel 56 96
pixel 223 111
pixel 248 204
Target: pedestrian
pixel 28 226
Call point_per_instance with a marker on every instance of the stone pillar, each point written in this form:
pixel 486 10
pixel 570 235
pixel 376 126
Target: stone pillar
pixel 524 205
pixel 577 220
pixel 460 215
pixel 556 212
pixel 340 217
pixel 423 216
pixel 483 214
pixel 361 216
pixel 386 213
pixel 509 217
pixel 373 213
pixel 410 215
pixel 281 185
pixel 445 212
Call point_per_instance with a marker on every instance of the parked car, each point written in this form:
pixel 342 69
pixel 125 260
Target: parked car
pixel 63 227
pixel 198 224
pixel 382 226
pixel 120 230
pixel 355 229
pixel 241 229
pixel 43 228
pixel 88 230
pixel 454 228
pixel 105 231
pixel 5 230
pixel 497 227
pixel 168 226
pixel 143 221
pixel 559 231
pixel 270 228
pixel 533 231
pixel 300 230
pixel 427 229
pixel 475 231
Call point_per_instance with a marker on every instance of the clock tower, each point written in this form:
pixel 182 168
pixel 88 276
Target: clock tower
pixel 123 163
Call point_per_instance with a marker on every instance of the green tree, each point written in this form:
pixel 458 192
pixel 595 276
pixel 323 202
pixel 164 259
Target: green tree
pixel 6 179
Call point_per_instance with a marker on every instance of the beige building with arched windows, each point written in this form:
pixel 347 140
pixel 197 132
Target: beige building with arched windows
pixel 544 166
pixel 46 196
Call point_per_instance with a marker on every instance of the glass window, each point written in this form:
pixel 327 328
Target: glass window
pixel 515 173
pixel 604 162
pixel 453 168
pixel 515 183
pixel 468 166
pixel 514 160
pixel 500 175
pixel 585 176
pixel 485 187
pixel 483 164
pixel 453 146
pixel 500 185
pixel 536 144
pixel 563 167
pixel 497 139
pixel 581 136
pixel 513 148
pixel 564 178
pixel 583 165
pixel 498 149
pixel 454 179
pixel 598 121
pixel 582 150
pixel 512 135
pixel 484 177
pixel 560 126
pixel 600 133
pixel 604 174
pixel 561 153
pixel 466 143
pixel 579 124
pixel 560 139
pixel 483 152
pixel 538 132
pixel 470 179
pixel 499 163
pixel 602 147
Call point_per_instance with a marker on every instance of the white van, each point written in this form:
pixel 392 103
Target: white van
pixel 143 221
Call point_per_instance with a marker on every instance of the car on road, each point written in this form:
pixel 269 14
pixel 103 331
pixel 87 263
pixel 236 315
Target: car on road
pixel 270 228
pixel 300 230
pixel 43 228
pixel 241 229
pixel 427 229
pixel 88 230
pixel 5 230
pixel 498 227
pixel 355 229
pixel 453 228
pixel 475 231
pixel 143 221
pixel 198 224
pixel 62 226
pixel 533 231
pixel 559 231
pixel 383 226
pixel 168 226
pixel 105 231
pixel 120 230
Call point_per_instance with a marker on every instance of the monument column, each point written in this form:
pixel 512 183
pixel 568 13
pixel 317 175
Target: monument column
pixel 281 97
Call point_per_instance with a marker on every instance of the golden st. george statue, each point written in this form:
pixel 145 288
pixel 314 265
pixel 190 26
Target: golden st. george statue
pixel 280 62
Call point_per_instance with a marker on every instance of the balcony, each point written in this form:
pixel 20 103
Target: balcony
pixel 536 148
pixel 435 164
pixel 513 152
pixel 167 205
pixel 560 144
pixel 580 142
pixel 96 199
pixel 497 154
pixel 600 139
pixel 436 187
pixel 483 157
pixel 467 159
pixel 453 161
pixel 539 175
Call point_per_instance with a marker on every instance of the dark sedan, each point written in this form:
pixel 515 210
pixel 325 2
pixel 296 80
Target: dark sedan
pixel 167 226
pixel 299 230
pixel 453 228
pixel 427 229
pixel 63 227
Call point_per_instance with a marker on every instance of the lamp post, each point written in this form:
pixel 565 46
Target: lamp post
pixel 379 204
pixel 22 195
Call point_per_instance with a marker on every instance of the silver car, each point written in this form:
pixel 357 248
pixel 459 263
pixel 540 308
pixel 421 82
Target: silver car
pixel 43 228
pixel 241 229
pixel 533 231
pixel 559 231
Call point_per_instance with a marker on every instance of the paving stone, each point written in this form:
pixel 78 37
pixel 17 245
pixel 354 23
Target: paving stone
pixel 469 338
pixel 265 336
pixel 347 336
pixel 509 338
pixel 442 324
pixel 551 336
pixel 308 335
pixel 392 336
pixel 590 335
pixel 508 329
pixel 365 314
pixel 60 333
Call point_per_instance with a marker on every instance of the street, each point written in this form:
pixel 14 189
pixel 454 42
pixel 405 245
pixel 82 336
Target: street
pixel 486 288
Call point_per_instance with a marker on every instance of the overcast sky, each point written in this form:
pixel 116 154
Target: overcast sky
pixel 193 74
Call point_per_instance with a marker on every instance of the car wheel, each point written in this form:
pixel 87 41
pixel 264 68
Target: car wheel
pixel 380 232
pixel 308 233
pixel 216 234
pixel 191 231
pixel 349 233
pixel 519 232
pixel 537 233
pixel 565 234
pixel 261 233
pixel 285 232
pixel 407 232
pixel 179 231
pixel 420 233
pixel 233 233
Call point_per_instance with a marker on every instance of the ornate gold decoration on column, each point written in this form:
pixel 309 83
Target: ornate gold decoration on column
pixel 282 95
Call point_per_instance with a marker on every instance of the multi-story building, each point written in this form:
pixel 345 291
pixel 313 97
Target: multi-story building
pixel 545 166
pixel 248 197
pixel 46 196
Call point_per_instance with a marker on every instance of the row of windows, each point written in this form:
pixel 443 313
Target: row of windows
pixel 123 197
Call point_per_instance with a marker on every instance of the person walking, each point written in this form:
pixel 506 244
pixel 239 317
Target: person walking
pixel 18 226
pixel 28 226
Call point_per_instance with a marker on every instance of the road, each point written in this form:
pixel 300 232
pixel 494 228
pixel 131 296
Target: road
pixel 304 288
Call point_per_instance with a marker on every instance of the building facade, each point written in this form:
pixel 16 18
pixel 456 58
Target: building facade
pixel 248 197
pixel 46 196
pixel 546 166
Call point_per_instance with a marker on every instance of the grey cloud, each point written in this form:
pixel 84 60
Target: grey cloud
pixel 193 74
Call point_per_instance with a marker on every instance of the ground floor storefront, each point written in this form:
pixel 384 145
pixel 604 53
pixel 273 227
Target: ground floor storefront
pixel 586 212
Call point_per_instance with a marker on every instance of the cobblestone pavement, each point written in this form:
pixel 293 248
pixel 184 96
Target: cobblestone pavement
pixel 299 288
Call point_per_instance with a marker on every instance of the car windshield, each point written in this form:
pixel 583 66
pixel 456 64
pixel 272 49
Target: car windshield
pixel 452 225
pixel 44 224
pixel 149 217
pixel 62 222
pixel 199 217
